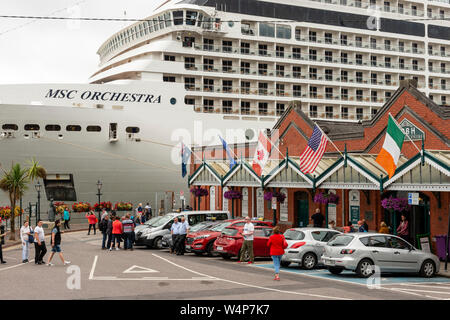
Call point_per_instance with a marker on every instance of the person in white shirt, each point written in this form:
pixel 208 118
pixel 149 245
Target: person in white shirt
pixel 25 232
pixel 39 244
pixel 247 246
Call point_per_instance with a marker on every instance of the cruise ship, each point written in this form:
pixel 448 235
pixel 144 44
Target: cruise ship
pixel 194 70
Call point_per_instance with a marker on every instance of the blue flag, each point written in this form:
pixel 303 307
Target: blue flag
pixel 185 154
pixel 227 149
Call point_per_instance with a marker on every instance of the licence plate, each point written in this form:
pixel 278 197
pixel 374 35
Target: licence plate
pixel 330 262
pixel 219 248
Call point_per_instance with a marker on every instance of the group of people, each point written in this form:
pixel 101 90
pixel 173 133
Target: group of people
pixel 179 231
pixel 117 229
pixel 37 237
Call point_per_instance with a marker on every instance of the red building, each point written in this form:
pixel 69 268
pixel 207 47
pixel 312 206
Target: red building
pixel 423 171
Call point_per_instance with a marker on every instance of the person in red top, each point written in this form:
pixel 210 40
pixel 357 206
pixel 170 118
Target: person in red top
pixel 116 233
pixel 92 220
pixel 277 244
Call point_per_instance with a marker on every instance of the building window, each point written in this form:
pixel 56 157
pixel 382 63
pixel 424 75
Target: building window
pixel 374 96
pixel 280 70
pixel 93 128
pixel 168 78
pixel 189 101
pixel 344 76
pixel 189 63
pixel 401 46
pixel 312 36
pixel 313 73
pixel 296 53
pixel 262 108
pixel 227 106
pixel 189 83
pixel 297 90
pixel 329 112
pixel 191 18
pixel 359 59
pixel 296 72
pixel 344 113
pixel 280 89
pixel 227 66
pixel 313 92
pixel 208 105
pixel 373 78
pixel 414 47
pixel 329 74
pixel 328 56
pixel 262 86
pixel 387 79
pixel 245 48
pixel 312 55
pixel 387 62
pixel 359 95
pixel 245 67
pixel 313 111
pixel 266 29
pixel 283 32
pixel 280 109
pixel 298 34
pixel 227 86
pixel 359 113
pixel 169 58
pixel 344 57
pixel 245 107
pixel 262 69
pixel 178 18
pixel 262 48
pixel 373 61
pixel 208 64
pixel 245 87
pixel 359 77
pixel 280 52
pixel 344 94
pixel 343 40
pixel 227 46
pixel 328 38
pixel 208 84
pixel 329 93
pixel 208 44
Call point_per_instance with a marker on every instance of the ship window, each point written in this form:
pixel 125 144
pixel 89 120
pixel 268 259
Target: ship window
pixel 73 127
pixel 283 32
pixel 177 17
pixel 168 78
pixel 32 127
pixel 200 20
pixel 191 17
pixel 94 128
pixel 14 127
pixel 132 130
pixel 155 24
pixel 266 29
pixel 167 19
pixel 53 127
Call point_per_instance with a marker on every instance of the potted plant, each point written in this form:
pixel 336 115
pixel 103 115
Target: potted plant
pixel 268 196
pixel 326 198
pixel 103 205
pixel 123 206
pixel 81 207
pixel 394 205
pixel 231 195
pixel 199 192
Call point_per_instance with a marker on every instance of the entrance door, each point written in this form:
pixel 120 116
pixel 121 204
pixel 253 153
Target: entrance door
pixel 301 209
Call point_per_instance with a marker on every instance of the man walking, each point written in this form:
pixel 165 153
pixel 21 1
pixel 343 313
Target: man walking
pixel 247 246
pixel 55 242
pixel 128 231
pixel 39 244
pixel 317 219
pixel 103 226
pixel 183 231
pixel 174 231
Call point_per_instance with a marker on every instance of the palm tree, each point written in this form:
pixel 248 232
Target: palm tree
pixel 14 183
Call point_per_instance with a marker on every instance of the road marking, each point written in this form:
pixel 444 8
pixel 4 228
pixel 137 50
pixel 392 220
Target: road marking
pixel 91 274
pixel 16 265
pixel 253 286
pixel 139 270
pixel 425 285
pixel 425 291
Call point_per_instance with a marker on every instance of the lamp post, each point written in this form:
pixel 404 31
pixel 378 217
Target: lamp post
pixel 38 187
pixel 99 189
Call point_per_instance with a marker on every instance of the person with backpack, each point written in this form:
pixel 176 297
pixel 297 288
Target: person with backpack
pixel 103 227
pixel 128 231
pixel 277 243
pixel 55 242
pixel 92 221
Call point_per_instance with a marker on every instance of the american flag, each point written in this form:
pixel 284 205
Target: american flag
pixel 314 151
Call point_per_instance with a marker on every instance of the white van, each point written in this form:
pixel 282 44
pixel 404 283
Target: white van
pixel 152 231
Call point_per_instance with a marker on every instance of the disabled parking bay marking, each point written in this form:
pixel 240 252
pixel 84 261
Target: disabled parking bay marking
pixel 138 269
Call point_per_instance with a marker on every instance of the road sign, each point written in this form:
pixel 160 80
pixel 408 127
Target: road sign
pixel 411 130
pixel 413 198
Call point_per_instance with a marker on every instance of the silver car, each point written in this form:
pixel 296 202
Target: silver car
pixel 364 252
pixel 306 246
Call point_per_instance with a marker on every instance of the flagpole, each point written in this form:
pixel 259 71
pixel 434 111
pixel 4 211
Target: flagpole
pixel 234 154
pixel 192 152
pixel 329 140
pixel 395 121
pixel 273 144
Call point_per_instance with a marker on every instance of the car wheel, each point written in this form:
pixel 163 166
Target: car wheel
pixel 365 268
pixel 335 270
pixel 309 261
pixel 198 253
pixel 226 256
pixel 285 264
pixel 157 243
pixel 210 249
pixel 428 269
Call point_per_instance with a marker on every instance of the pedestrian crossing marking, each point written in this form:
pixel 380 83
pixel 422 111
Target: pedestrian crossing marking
pixel 138 269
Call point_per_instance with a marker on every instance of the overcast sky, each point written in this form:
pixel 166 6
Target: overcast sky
pixel 45 51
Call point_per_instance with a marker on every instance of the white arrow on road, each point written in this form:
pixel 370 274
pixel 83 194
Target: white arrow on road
pixel 138 269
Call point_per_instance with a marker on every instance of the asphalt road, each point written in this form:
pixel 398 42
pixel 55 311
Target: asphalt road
pixel 157 274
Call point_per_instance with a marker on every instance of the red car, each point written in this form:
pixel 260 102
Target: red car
pixel 230 241
pixel 202 241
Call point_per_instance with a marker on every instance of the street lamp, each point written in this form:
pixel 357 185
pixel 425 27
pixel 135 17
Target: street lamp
pixel 99 189
pixel 38 187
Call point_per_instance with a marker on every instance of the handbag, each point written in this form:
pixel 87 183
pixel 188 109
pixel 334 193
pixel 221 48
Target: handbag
pixel 30 236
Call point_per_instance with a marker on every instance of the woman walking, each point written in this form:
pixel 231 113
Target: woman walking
pixel 66 218
pixel 25 233
pixel 55 242
pixel 277 243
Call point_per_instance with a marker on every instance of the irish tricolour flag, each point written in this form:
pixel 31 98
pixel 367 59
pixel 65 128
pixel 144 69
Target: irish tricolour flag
pixel 392 146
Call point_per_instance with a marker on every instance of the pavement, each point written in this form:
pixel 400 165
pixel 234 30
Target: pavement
pixel 158 275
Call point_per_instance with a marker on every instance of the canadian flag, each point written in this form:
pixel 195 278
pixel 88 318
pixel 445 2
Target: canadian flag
pixel 261 154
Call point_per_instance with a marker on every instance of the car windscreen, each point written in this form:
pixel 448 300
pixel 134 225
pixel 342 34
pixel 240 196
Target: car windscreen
pixel 229 232
pixel 162 221
pixel 294 235
pixel 152 221
pixel 340 240
pixel 200 226
pixel 220 226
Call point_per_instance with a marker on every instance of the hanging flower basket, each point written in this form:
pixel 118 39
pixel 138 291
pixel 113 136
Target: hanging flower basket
pixel 199 192
pixel 279 195
pixel 103 205
pixel 326 198
pixel 123 206
pixel 59 207
pixel 232 194
pixel 5 212
pixel 396 204
pixel 81 207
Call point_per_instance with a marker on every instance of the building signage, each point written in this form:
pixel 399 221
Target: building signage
pixel 103 96
pixel 244 202
pixel 260 203
pixel 411 130
pixel 284 206
pixel 354 206
pixel 413 198
pixel 225 200
pixel 212 198
pixel 331 210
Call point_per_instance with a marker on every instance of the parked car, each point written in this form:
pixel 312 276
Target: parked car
pixel 150 234
pixel 230 241
pixel 306 246
pixel 205 225
pixel 360 252
pixel 203 241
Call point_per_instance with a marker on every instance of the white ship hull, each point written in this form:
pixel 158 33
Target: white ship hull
pixel 130 170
